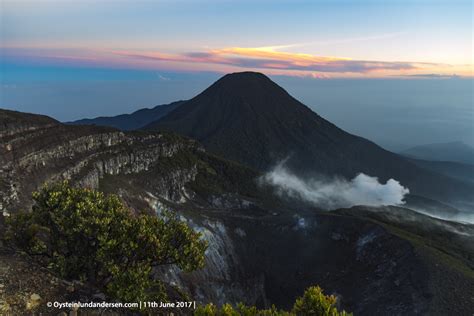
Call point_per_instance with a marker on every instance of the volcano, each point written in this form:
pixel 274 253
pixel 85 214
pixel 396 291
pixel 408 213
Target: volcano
pixel 248 118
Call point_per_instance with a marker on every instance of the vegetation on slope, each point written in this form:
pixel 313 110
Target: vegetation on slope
pixel 313 303
pixel 84 235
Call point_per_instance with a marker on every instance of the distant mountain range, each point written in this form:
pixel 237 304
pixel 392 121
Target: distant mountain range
pixel 461 171
pixel 453 151
pixel 135 120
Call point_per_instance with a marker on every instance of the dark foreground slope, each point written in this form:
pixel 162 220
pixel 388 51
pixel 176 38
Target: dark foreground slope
pixel 261 250
pixel 248 118
pixel 135 120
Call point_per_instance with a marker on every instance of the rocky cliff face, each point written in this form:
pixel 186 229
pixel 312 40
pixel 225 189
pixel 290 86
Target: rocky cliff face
pixel 32 155
pixel 270 258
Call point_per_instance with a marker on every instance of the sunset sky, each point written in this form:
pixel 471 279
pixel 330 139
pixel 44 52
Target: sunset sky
pixel 300 38
pixel 397 72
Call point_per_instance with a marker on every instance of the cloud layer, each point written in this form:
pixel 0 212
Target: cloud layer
pixel 336 193
pixel 269 58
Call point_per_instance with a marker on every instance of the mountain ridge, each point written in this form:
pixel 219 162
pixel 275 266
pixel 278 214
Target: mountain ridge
pixel 453 151
pixel 131 121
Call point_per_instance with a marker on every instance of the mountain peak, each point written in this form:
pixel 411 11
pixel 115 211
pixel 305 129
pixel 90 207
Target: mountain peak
pixel 245 75
pixel 249 118
pixel 252 87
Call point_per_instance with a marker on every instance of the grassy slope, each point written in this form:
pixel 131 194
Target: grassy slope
pixel 451 278
pixel 449 261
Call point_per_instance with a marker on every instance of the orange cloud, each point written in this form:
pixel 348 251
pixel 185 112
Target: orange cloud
pixel 269 58
pixel 270 52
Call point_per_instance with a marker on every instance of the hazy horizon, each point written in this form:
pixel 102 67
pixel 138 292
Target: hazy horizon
pixel 395 113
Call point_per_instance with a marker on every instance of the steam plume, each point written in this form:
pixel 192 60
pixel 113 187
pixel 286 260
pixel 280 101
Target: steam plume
pixel 336 193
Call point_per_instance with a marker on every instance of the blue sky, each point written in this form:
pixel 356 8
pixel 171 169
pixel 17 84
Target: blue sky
pixel 433 36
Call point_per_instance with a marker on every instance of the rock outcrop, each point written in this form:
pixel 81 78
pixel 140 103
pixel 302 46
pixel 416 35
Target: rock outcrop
pixel 31 155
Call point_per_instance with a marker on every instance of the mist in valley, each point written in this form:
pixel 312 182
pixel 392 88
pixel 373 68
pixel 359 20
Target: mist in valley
pixel 337 192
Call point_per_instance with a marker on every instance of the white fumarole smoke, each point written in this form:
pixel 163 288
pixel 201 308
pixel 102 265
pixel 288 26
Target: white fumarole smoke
pixel 336 193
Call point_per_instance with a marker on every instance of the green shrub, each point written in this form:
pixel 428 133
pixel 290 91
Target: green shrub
pixel 313 303
pixel 83 234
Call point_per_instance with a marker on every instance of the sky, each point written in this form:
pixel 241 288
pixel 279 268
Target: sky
pixel 73 59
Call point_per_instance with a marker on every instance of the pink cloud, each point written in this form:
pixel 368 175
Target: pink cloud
pixel 262 58
pixel 265 59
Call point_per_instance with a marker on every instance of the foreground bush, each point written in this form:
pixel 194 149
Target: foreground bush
pixel 313 303
pixel 83 234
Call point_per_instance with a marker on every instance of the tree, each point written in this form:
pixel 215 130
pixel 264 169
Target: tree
pixel 83 234
pixel 313 303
